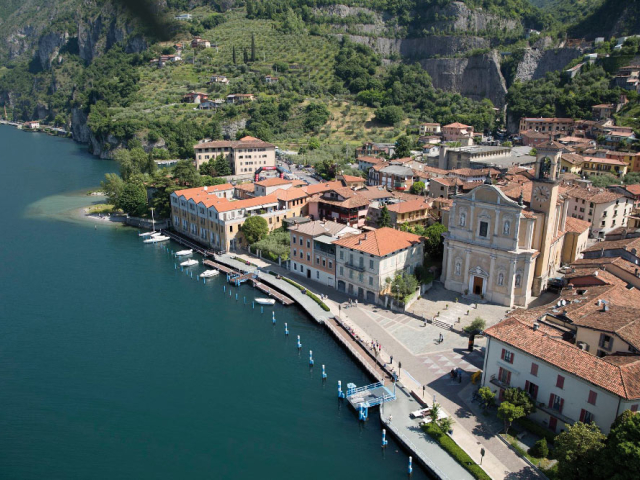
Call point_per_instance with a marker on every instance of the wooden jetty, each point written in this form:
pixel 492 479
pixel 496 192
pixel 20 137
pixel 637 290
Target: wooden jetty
pixel 234 275
pixel 188 243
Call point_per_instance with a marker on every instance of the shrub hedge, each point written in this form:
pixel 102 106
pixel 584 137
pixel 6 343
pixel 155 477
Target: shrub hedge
pixel 314 297
pixel 536 429
pixel 455 451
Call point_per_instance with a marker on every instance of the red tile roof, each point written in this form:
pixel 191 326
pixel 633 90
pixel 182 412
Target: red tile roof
pixel 409 206
pixel 380 242
pixel 576 225
pixel 273 182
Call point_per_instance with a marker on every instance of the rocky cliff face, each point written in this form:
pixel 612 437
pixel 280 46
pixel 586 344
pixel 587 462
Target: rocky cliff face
pixel 537 63
pixel 425 47
pixel 79 128
pixel 20 41
pixel 459 18
pixel 49 46
pixel 477 77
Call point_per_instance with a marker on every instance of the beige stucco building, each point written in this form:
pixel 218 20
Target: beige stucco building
pixel 504 249
pixel 245 155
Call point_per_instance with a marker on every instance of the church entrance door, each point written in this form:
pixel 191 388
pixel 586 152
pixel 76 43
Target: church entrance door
pixel 478 283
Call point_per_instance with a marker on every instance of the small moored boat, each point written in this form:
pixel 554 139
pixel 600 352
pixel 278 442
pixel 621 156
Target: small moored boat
pixel 149 234
pixel 156 239
pixel 266 301
pixel 184 253
pixel 209 273
pixel 189 263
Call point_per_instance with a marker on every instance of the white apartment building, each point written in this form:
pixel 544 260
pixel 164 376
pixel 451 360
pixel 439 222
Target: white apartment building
pixel 604 209
pixel 365 261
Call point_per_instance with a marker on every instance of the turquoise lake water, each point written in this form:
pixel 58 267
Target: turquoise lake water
pixel 114 365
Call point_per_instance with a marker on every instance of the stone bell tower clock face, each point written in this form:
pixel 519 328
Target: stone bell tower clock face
pixel 541 194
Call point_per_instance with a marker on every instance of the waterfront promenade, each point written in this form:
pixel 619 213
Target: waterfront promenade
pixel 470 431
pixel 424 449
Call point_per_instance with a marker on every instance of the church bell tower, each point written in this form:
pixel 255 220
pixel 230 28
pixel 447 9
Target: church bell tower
pixel 544 198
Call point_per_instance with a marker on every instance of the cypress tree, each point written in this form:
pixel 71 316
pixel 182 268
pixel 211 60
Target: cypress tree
pixel 245 56
pixel 234 55
pixel 253 47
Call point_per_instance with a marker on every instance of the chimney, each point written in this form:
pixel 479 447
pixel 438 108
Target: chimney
pixel 365 236
pixel 536 326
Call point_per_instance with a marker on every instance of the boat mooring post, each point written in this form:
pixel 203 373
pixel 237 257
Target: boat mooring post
pixel 299 344
pixel 175 266
pixel 261 309
pixel 310 358
pixel 324 373
pixel 410 469
pixel 236 297
pixel 273 318
pixel 244 300
pixel 286 329
pixel 385 442
pixel 224 288
pixel 253 304
pixel 340 392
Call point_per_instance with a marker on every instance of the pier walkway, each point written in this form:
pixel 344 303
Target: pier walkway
pixel 188 243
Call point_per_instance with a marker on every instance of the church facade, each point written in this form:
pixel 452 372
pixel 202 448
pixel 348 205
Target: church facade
pixel 504 244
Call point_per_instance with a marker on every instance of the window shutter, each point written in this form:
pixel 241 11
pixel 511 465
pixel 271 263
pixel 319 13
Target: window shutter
pixel 582 414
pixel 592 397
pixel 534 369
pixel 560 381
pixel 502 356
pixel 561 404
pixel 535 392
pixel 511 358
pixel 500 374
pixel 508 378
pixel 526 386
pixel 551 400
pixel 634 408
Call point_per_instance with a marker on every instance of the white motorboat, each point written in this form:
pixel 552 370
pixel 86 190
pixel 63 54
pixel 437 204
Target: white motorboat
pixel 266 301
pixel 148 234
pixel 209 273
pixel 184 253
pixel 156 239
pixel 189 263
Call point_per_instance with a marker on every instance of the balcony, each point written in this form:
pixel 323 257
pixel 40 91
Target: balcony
pixel 554 413
pixel 494 380
pixel 353 266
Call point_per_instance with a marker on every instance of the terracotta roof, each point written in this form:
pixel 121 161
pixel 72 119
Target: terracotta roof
pixel 247 203
pixel 273 182
pixel 401 161
pixel 474 172
pixel 457 125
pixel 576 225
pixel 380 166
pixel 551 119
pixel 351 199
pixel 625 244
pixel 380 242
pixel 565 356
pixel 409 206
pixel 604 105
pixel 319 227
pixel 592 194
pixel 352 178
pixel 374 193
pixel 322 187
pixel 247 187
pixel 288 194
pixel 573 158
pixel 434 170
pixel 607 161
pixel 206 195
pixel 245 142
pixel 372 160
pixel 535 135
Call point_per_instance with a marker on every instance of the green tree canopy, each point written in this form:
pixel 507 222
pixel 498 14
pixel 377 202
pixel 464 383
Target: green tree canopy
pixel 508 412
pixel 520 398
pixel 434 243
pixel 185 173
pixel 112 186
pixel 222 166
pixel 417 188
pixel 254 229
pixel 385 217
pixel 623 449
pixel 578 449
pixel 133 199
pixel 389 115
pixel 403 147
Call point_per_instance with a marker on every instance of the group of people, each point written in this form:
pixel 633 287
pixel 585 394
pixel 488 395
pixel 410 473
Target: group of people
pixel 352 303
pixel 456 373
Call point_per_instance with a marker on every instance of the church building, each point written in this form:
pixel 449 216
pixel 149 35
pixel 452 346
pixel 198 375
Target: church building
pixel 504 244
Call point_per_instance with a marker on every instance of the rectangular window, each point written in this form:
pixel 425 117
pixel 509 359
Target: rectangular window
pixel 324 262
pixel 371 264
pixel 308 243
pixel 370 280
pixel 634 407
pixel 592 397
pixel 605 341
pixel 317 274
pixel 341 271
pixel 504 376
pixel 556 402
pixel 531 389
pixel 317 260
pixel 586 416
pixel 507 356
pixel 361 277
pixel 484 229
pixel 341 255
pixel 308 257
pixel 350 273
pixel 295 266
pixel 300 240
pixel 293 238
pixel 560 381
pixel 534 369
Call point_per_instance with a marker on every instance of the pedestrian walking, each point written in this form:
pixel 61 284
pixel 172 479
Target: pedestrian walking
pixel 391 360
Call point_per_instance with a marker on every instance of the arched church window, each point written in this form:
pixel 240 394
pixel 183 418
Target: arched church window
pixel 518 280
pixel 463 219
pixel 500 279
pixel 507 228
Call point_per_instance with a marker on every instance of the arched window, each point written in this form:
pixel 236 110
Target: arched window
pixel 463 219
pixel 500 279
pixel 518 280
pixel 507 227
pixel 458 268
